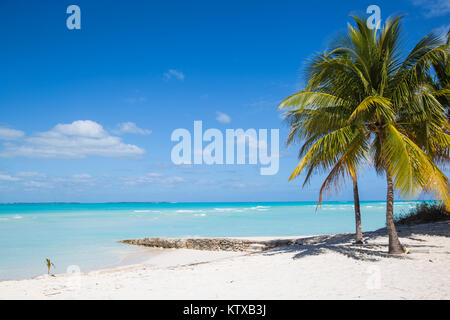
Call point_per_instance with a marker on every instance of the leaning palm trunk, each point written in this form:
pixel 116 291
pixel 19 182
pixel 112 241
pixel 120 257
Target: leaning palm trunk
pixel 358 233
pixel 395 247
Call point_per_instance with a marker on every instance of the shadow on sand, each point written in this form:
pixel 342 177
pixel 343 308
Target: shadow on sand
pixel 375 243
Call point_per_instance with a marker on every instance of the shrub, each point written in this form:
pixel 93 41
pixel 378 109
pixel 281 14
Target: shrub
pixel 425 212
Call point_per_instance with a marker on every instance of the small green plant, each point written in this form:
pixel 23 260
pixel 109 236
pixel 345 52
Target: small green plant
pixel 49 265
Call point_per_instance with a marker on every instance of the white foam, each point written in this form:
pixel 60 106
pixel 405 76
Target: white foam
pixel 188 211
pixel 228 210
pixel 261 207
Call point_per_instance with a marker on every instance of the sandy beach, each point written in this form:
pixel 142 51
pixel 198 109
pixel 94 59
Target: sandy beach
pixel 324 267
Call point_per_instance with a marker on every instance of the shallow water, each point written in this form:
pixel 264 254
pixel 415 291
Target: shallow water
pixel 86 235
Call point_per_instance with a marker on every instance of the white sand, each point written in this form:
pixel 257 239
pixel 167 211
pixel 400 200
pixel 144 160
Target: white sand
pixel 330 267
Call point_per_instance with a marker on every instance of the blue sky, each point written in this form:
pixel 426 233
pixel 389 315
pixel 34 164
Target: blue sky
pixel 87 115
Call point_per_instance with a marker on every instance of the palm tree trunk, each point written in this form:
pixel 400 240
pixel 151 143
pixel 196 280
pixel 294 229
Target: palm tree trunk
pixel 358 234
pixel 395 247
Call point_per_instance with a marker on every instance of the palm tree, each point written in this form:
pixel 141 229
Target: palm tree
pixel 377 102
pixel 339 160
pixel 441 81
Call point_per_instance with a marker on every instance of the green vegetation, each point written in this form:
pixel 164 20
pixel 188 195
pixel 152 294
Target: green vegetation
pixel 424 213
pixel 368 103
pixel 49 265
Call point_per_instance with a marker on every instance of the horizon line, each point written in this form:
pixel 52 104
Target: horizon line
pixel 194 202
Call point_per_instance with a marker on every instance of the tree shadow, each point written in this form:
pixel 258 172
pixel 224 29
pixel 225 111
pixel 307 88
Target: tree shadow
pixel 374 247
pixel 441 229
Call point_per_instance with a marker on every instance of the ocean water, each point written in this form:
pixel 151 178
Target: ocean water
pixel 87 235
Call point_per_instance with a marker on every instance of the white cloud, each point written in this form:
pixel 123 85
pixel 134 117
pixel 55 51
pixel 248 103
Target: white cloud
pixel 155 174
pixel 7 177
pixel 29 180
pixel 206 182
pixel 81 128
pixel 433 8
pixel 37 184
pixel 153 178
pixel 10 134
pixel 246 185
pixel 223 117
pixel 78 139
pixel 172 73
pixel 81 176
pixel 31 174
pixel 130 127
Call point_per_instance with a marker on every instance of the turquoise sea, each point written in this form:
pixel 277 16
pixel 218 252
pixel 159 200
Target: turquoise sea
pixel 86 234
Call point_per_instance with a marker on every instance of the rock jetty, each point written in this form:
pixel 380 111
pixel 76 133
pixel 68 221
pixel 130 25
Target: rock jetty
pixel 211 244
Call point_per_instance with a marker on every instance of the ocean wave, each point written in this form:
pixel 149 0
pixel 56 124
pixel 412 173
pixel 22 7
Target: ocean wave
pixel 17 217
pixel 228 210
pixel 241 210
pixel 260 208
pixel 337 208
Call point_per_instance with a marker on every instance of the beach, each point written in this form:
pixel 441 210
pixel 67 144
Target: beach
pixel 323 267
pixel 87 235
pixel 226 151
